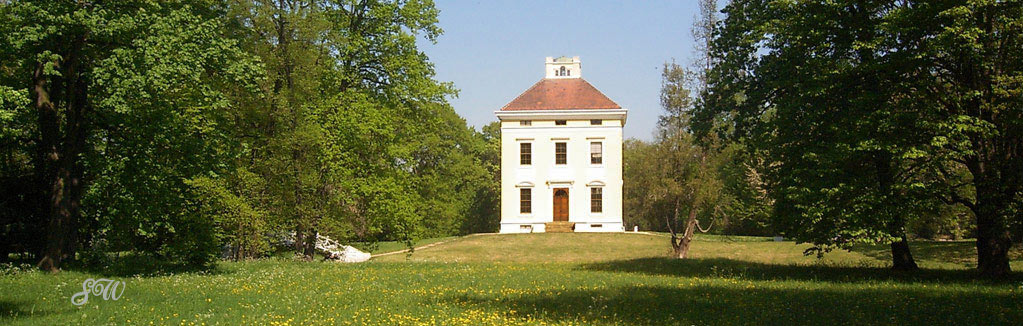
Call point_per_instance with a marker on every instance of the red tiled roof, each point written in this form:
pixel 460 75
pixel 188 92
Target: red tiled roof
pixel 561 94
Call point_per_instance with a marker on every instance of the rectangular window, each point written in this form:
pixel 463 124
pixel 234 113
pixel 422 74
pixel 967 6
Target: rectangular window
pixel 596 122
pixel 560 153
pixel 560 122
pixel 596 152
pixel 596 200
pixel 525 122
pixel 525 153
pixel 525 200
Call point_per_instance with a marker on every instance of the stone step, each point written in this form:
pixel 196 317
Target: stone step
pixel 554 227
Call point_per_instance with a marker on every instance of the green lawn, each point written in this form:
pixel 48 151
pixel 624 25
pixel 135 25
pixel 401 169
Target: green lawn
pixel 578 279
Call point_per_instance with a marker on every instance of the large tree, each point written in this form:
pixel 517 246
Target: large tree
pixel 355 140
pixel 970 70
pixel 175 128
pixel 99 76
pixel 687 177
pixel 862 105
pixel 807 93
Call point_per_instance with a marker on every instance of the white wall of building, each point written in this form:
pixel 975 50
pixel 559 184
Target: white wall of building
pixel 578 174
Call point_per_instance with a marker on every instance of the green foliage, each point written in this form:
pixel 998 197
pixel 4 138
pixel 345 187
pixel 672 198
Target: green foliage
pixel 748 211
pixel 356 140
pixel 641 209
pixel 743 209
pixel 165 122
pixel 486 215
pixel 20 212
pixel 236 224
pixel 690 176
pixel 676 173
pixel 841 170
pixel 975 86
pixel 943 222
pixel 13 103
pixel 134 88
pixel 453 177
pixel 696 173
pixel 873 114
pixel 182 128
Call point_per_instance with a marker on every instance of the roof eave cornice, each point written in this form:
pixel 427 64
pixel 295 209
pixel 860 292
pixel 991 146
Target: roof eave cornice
pixel 563 114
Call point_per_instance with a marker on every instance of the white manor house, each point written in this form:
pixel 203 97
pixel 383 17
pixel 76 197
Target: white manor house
pixel 561 155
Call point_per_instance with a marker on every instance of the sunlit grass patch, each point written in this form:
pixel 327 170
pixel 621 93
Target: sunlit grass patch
pixel 570 279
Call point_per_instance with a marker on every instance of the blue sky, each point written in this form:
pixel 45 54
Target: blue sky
pixel 494 50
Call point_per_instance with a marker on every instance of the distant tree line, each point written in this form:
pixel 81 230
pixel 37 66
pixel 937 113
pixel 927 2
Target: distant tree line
pixel 844 122
pixel 183 129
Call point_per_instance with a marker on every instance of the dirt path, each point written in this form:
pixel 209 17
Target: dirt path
pixel 430 245
pixel 467 236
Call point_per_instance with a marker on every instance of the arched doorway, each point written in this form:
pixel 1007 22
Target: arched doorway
pixel 561 204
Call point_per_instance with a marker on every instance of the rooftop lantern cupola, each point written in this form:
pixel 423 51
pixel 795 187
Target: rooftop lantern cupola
pixel 563 67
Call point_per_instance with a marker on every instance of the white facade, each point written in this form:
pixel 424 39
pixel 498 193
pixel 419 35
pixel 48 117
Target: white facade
pixel 584 132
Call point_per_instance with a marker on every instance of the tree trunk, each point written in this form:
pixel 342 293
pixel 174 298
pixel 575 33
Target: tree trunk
pixel 299 240
pixel 72 170
pixel 49 153
pixel 56 176
pixel 993 241
pixel 902 259
pixel 682 250
pixel 993 196
pixel 309 249
pixel 60 151
pixel 671 221
pixel 62 238
pixel 992 250
pixel 5 253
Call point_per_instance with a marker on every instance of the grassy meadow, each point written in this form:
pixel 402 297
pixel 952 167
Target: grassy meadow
pixel 544 279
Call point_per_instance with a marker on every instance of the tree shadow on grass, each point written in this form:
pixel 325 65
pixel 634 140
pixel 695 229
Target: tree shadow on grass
pixel 962 252
pixel 727 268
pixel 729 304
pixel 13 309
pixel 143 265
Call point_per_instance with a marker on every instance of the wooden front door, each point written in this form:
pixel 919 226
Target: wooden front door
pixel 560 204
